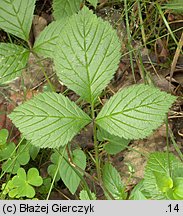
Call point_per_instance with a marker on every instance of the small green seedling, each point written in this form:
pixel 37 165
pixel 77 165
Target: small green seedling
pixel 21 185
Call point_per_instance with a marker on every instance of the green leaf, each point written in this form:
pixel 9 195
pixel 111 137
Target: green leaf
pixel 14 158
pixel 10 166
pixel 13 59
pixel 56 159
pixel 3 136
pixel 23 155
pixel 49 120
pixel 65 8
pixel 93 2
pixel 33 177
pixel 89 51
pixel 138 195
pixel 52 169
pixel 115 144
pixel 112 182
pixel 135 112
pixel 163 181
pixel 178 188
pixel 67 172
pixel 138 192
pixel 7 187
pixel 46 41
pixel 33 151
pixel 159 165
pixel 21 174
pixel 16 17
pixel 83 195
pixel 7 150
pixel 20 184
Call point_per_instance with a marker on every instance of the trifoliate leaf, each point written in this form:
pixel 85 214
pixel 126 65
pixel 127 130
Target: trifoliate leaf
pixel 22 183
pixel 13 59
pixel 87 54
pixel 115 144
pixel 135 112
pixel 159 165
pixel 83 195
pixel 46 41
pixel 3 136
pixel 65 8
pixel 16 17
pixel 67 172
pixel 112 182
pixel 49 120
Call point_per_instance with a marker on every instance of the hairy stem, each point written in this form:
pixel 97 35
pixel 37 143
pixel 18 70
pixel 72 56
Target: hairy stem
pixel 97 160
pixel 44 72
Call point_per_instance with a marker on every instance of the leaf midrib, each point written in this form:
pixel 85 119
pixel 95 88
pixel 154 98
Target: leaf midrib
pixel 86 63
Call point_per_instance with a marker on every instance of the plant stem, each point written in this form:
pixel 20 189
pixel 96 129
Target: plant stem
pixel 175 145
pixel 129 37
pixel 167 144
pixel 97 160
pixel 44 72
pixel 55 175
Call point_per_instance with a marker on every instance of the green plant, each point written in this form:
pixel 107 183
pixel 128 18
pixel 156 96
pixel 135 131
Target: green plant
pixel 86 58
pixel 13 156
pixel 63 169
pixel 112 182
pixel 163 178
pixel 16 19
pixel 21 185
